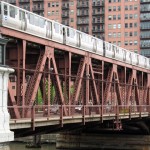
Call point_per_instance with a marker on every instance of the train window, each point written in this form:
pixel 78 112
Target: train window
pixel 36 20
pixel 21 15
pixel 110 47
pixel 5 10
pixel 41 22
pixel 71 33
pixel 56 26
pixel 68 32
pixel 12 11
pixel 0 8
pixel 31 18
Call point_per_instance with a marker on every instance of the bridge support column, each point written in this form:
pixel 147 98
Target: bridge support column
pixel 5 133
pixel 36 142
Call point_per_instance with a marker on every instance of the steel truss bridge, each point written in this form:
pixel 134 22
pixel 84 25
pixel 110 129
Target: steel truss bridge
pixel 81 86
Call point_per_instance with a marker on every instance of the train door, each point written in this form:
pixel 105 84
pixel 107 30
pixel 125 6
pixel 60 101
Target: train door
pixel 23 21
pixel 5 13
pixel 49 30
pixel 78 39
pixel 64 35
pixel 94 44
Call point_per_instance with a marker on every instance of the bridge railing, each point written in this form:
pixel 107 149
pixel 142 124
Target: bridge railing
pixel 83 113
pixel 54 111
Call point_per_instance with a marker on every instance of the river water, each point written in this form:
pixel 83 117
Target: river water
pixel 21 146
pixel 118 145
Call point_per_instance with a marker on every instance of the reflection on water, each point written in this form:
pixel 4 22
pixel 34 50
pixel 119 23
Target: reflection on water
pixel 48 146
pixel 22 146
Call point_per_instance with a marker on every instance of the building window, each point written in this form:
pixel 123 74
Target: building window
pixel 119 26
pixel 48 13
pixel 126 25
pixel 71 3
pixel 135 16
pixel 131 16
pixel 119 34
pixel 135 25
pixel 135 42
pixel 109 1
pixel 135 7
pixel 109 17
pixel 49 4
pixel 71 12
pixel 71 20
pixel 130 42
pixel 110 26
pixel 126 34
pixel 109 35
pixel 53 4
pixel 109 8
pixel 114 26
pixel 119 17
pixel 135 33
pixel 126 7
pixel 57 4
pixel 119 8
pixel 130 25
pixel 126 16
pixel 126 43
pixel 114 35
pixel 130 33
pixel 114 17
pixel 119 43
pixel 131 7
pixel 114 8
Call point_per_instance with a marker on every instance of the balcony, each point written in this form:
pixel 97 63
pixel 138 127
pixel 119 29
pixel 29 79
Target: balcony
pixel 98 13
pixel 145 52
pixel 36 9
pixel 65 15
pixel 65 6
pixel 37 0
pixel 145 10
pixel 82 22
pixel 144 1
pixel 80 5
pixel 82 14
pixel 98 4
pixel 12 1
pixel 24 1
pixel 98 21
pixel 98 30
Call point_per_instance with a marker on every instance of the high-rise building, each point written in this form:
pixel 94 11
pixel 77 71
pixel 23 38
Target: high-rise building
pixel 145 27
pixel 116 21
pixel 122 23
pixel 84 15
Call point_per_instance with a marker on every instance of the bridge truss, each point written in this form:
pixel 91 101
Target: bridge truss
pixel 49 73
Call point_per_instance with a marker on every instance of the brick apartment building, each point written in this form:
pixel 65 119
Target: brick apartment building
pixel 145 27
pixel 116 21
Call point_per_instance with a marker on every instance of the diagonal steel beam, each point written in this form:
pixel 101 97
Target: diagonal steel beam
pixel 78 81
pixel 58 85
pixel 96 99
pixel 13 101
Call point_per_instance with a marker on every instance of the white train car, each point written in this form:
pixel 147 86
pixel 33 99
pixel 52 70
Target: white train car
pixel 109 51
pixel 71 37
pixel 99 47
pixel 25 21
pixel 120 53
pixel 86 42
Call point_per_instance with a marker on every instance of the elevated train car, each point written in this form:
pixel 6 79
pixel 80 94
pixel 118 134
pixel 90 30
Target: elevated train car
pixel 19 19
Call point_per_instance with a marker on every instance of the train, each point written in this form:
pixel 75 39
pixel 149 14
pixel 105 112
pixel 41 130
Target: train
pixel 25 21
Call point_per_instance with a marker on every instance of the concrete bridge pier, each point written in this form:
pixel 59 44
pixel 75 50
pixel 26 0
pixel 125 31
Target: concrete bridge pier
pixel 36 142
pixel 5 134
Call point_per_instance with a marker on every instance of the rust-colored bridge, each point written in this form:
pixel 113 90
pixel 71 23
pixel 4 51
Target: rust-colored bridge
pixel 58 84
